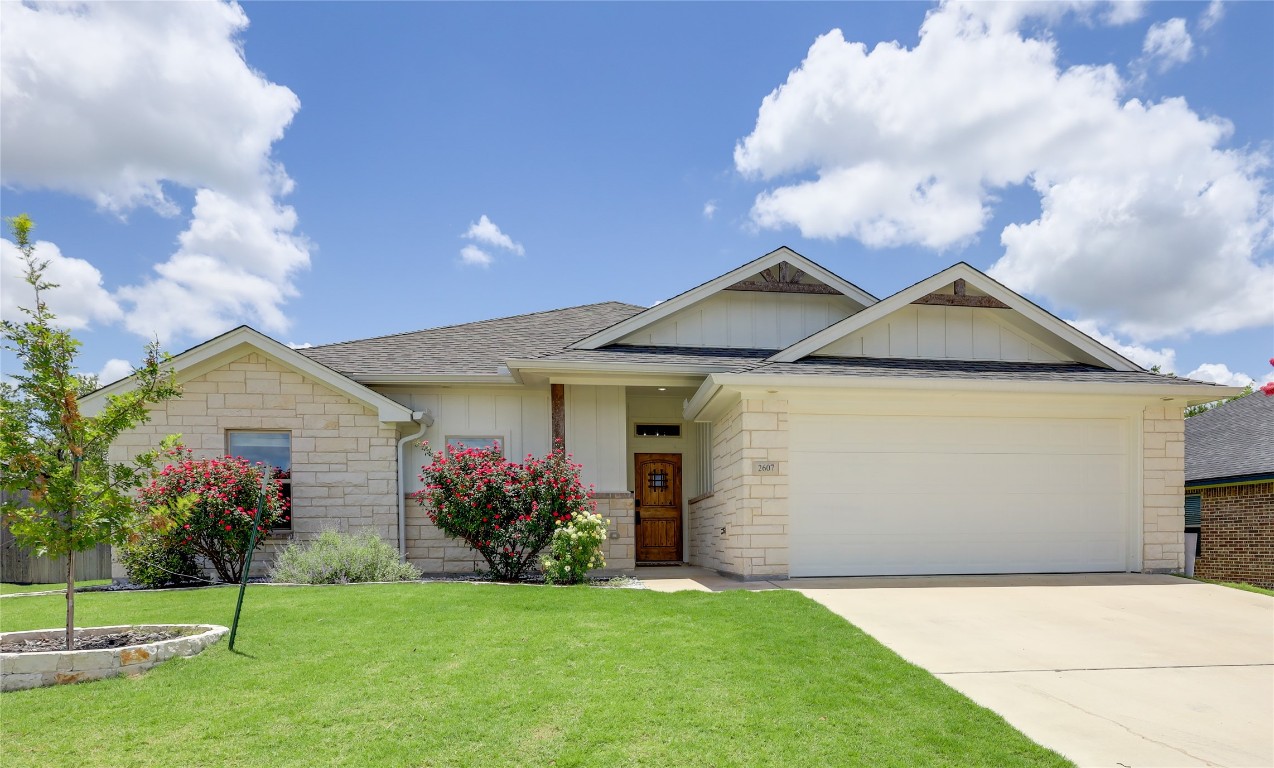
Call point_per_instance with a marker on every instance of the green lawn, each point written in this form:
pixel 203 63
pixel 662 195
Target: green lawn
pixel 489 675
pixel 9 589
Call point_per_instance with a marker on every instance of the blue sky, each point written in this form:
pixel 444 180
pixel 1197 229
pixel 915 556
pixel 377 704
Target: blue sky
pixel 312 169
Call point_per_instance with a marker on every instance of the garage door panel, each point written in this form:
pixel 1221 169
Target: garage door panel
pixel 962 475
pixel 898 495
pixel 949 434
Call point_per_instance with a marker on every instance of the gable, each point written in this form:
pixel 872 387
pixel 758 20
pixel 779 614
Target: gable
pixel 735 319
pixel 768 303
pixel 946 333
pixel 957 314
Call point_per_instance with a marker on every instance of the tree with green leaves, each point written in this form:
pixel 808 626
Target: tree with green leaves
pixel 63 494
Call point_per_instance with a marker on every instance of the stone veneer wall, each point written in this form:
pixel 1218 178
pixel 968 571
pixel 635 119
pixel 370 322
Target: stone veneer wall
pixel 433 552
pixel 1163 490
pixel 752 509
pixel 344 460
pixel 1237 535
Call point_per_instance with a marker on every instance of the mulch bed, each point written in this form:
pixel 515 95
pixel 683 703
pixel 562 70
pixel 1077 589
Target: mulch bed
pixel 92 643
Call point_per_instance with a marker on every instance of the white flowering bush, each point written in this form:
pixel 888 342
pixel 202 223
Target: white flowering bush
pixel 576 548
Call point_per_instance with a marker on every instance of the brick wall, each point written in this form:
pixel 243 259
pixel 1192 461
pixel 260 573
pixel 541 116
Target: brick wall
pixel 344 460
pixel 1163 490
pixel 1238 534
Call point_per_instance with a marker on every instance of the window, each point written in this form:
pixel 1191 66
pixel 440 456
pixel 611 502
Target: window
pixel 658 430
pixel 274 449
pixel 461 442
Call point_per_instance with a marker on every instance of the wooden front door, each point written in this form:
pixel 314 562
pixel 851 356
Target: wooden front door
pixel 658 498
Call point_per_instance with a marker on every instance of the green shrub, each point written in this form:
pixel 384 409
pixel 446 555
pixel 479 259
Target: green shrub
pixel 157 560
pixel 575 549
pixel 339 558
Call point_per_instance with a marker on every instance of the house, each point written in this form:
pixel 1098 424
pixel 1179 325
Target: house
pixel 774 421
pixel 1230 490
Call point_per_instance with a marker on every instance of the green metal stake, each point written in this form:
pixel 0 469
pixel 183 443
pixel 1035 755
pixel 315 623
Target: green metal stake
pixel 247 566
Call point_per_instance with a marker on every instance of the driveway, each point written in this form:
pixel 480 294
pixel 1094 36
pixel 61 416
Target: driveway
pixel 1110 670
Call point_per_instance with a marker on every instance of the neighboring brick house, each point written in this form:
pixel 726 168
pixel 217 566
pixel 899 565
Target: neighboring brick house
pixel 774 421
pixel 1230 490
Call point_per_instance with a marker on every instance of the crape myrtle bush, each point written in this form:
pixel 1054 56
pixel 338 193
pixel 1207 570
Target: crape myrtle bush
pixel 214 502
pixel 504 510
pixel 341 558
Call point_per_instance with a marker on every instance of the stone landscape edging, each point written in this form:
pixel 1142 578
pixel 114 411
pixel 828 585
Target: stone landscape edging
pixel 20 671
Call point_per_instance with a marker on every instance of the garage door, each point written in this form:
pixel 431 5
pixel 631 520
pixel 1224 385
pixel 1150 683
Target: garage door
pixel 889 495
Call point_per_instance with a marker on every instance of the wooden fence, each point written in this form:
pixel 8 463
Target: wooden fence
pixel 19 566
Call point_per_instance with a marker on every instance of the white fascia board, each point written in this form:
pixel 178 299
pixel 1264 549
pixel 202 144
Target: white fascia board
pixel 1028 309
pixel 694 295
pixel 216 352
pixel 1190 394
pixel 397 379
pixel 644 374
pixel 700 399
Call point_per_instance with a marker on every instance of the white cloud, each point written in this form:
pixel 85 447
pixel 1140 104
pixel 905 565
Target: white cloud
pixel 485 231
pixel 473 256
pixel 78 301
pixel 114 370
pixel 1219 373
pixel 302 345
pixel 1148 225
pixel 1146 357
pixel 1168 44
pixel 1211 15
pixel 710 209
pixel 116 101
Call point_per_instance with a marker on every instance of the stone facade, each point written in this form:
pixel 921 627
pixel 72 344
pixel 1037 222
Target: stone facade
pixel 750 508
pixel 1163 490
pixel 1237 535
pixel 20 671
pixel 344 460
pixel 433 552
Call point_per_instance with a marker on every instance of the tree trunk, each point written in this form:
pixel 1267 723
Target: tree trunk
pixel 70 599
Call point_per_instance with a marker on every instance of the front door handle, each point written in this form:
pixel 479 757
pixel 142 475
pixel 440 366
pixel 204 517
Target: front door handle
pixel 637 514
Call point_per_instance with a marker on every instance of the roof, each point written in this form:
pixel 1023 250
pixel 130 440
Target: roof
pixel 713 358
pixel 479 348
pixel 237 342
pixel 967 369
pixel 1232 440
pixel 1084 346
pixel 685 299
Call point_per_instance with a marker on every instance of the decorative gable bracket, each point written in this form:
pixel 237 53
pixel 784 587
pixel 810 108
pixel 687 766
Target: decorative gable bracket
pixel 783 278
pixel 961 299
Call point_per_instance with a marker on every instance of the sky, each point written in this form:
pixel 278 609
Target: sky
pixel 330 171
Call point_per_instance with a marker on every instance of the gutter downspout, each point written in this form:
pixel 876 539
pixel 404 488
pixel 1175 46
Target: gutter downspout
pixel 425 420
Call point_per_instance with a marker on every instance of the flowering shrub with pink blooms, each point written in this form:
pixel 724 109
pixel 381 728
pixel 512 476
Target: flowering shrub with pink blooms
pixel 214 502
pixel 505 510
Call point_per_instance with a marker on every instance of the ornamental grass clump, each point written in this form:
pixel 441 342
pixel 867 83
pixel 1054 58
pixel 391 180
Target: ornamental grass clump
pixel 576 549
pixel 505 510
pixel 217 501
pixel 341 558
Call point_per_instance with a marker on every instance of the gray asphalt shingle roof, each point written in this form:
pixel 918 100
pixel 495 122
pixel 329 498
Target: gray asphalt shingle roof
pixel 1231 440
pixel 709 358
pixel 473 348
pixel 966 369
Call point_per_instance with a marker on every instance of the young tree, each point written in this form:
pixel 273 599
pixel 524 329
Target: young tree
pixel 64 496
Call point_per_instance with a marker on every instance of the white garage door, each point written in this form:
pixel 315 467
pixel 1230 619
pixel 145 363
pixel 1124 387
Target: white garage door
pixel 887 495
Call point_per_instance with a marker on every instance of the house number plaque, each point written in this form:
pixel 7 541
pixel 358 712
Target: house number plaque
pixel 765 467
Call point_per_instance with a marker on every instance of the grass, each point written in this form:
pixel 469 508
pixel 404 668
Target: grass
pixel 491 675
pixel 1233 585
pixel 12 589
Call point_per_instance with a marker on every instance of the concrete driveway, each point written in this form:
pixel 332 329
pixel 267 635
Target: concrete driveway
pixel 1108 670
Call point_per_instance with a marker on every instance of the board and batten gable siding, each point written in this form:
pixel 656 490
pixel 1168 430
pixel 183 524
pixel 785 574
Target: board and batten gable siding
pixel 519 416
pixel 344 461
pixel 945 333
pixel 746 320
